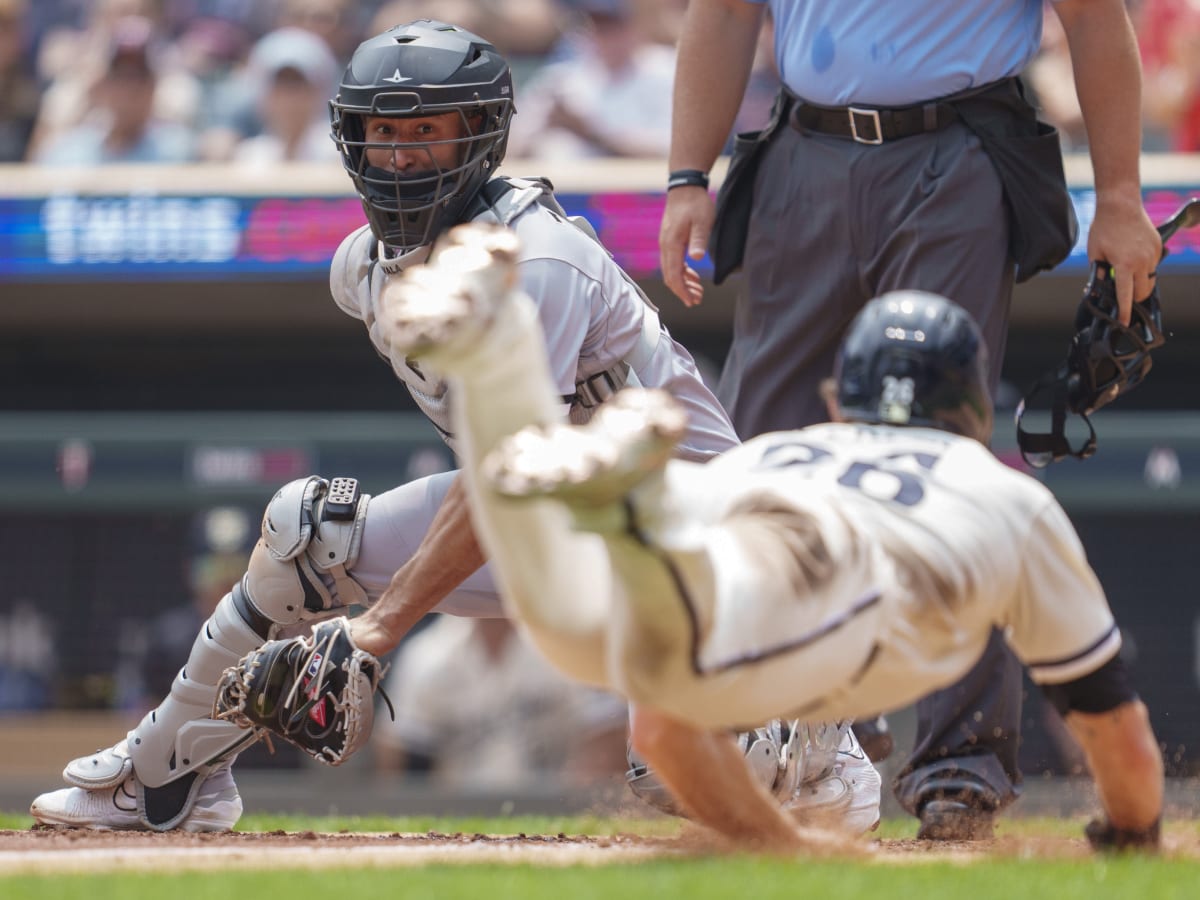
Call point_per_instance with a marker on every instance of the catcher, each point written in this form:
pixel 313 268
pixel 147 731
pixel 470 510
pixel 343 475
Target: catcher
pixel 421 120
pixel 825 572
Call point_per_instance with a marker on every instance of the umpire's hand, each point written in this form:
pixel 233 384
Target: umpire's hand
pixel 1123 235
pixel 686 224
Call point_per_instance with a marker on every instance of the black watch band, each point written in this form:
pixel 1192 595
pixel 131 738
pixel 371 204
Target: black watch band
pixel 687 178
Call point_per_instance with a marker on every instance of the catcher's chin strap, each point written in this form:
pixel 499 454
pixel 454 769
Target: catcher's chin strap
pixel 1105 360
pixel 1041 449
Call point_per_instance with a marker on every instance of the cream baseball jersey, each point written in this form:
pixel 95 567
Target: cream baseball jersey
pixel 906 545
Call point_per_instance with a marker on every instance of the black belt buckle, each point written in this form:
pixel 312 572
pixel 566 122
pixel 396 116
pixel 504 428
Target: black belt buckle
pixel 870 116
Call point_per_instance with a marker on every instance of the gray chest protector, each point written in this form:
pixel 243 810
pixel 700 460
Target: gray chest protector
pixel 500 201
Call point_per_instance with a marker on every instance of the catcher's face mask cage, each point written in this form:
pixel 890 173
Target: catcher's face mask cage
pixel 915 358
pixel 1105 360
pixel 1108 359
pixel 423 69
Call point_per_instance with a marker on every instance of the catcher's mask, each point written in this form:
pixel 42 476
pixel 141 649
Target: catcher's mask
pixel 424 68
pixel 915 358
pixel 1105 359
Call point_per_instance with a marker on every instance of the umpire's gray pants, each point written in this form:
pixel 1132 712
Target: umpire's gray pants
pixel 836 223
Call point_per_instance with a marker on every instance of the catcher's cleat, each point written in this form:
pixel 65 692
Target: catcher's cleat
pixel 631 437
pixel 847 799
pixel 445 305
pixel 218 806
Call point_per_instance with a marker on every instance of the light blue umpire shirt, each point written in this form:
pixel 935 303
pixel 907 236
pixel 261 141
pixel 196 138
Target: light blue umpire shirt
pixel 900 52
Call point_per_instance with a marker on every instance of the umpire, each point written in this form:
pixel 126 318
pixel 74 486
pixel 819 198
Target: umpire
pixel 901 154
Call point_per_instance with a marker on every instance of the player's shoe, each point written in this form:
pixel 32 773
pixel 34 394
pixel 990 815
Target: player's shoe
pixel 441 308
pixel 843 795
pixel 218 806
pixel 847 798
pixel 632 436
pixel 955 820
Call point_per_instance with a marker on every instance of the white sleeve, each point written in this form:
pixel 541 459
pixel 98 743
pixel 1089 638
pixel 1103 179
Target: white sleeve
pixel 1060 625
pixel 350 271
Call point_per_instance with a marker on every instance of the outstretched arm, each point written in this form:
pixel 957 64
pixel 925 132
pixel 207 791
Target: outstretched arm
pixel 707 774
pixel 1108 80
pixel 704 105
pixel 1125 761
pixel 448 553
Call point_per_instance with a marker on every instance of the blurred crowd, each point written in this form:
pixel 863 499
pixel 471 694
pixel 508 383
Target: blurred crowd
pixel 1168 31
pixel 169 81
pixel 90 81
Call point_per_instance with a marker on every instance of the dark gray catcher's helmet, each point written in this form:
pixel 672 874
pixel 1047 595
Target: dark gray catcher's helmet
pixel 423 68
pixel 915 358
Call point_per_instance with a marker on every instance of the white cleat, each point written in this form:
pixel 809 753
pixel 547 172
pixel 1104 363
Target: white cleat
pixel 821 776
pixel 632 436
pixel 218 807
pixel 446 304
pixel 847 799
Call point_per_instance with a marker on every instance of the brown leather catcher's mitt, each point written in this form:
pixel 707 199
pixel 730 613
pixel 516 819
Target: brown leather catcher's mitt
pixel 316 692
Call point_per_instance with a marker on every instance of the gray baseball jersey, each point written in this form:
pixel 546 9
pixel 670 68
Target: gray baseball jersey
pixel 925 542
pixel 592 314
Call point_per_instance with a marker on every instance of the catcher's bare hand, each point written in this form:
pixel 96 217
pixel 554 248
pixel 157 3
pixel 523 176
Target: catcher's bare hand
pixel 375 634
pixel 315 691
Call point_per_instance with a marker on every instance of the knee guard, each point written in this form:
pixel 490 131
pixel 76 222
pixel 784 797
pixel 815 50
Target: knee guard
pixel 311 534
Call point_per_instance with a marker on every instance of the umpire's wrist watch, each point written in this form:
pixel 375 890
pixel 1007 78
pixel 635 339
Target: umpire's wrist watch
pixel 687 178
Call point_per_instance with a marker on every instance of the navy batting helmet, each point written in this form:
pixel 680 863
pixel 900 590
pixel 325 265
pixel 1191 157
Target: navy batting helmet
pixel 915 358
pixel 424 68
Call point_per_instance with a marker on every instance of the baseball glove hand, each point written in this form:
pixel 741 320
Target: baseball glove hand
pixel 317 692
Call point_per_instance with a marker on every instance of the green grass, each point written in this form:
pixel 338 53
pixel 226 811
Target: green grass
pixel 744 876
pixel 698 879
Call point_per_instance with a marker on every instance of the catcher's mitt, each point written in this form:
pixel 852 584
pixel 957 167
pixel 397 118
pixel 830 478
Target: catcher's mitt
pixel 317 692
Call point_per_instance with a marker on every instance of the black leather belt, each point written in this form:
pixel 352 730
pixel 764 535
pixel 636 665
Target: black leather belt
pixel 871 125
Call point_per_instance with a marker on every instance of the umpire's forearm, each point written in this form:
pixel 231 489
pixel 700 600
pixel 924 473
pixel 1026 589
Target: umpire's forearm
pixel 716 52
pixel 1108 81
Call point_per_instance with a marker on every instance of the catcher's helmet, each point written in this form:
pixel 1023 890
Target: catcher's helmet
pixel 915 358
pixel 424 68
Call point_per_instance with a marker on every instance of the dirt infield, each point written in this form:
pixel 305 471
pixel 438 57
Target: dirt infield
pixel 41 851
